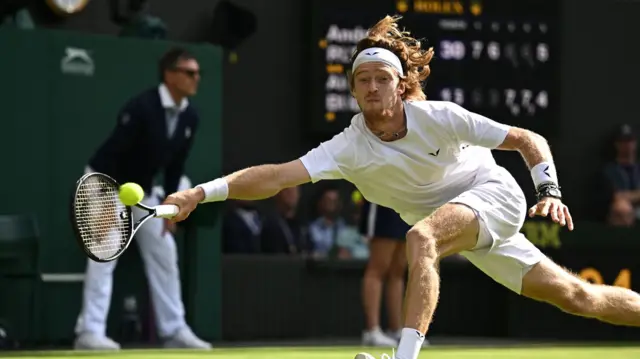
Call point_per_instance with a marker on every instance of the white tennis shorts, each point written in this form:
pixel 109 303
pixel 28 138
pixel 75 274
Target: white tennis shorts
pixel 502 252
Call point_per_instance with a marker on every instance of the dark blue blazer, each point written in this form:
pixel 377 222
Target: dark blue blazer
pixel 138 149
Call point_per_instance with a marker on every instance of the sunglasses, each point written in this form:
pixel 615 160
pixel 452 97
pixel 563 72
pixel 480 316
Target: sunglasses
pixel 188 72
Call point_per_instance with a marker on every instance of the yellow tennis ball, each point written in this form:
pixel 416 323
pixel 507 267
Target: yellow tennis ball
pixel 356 197
pixel 131 194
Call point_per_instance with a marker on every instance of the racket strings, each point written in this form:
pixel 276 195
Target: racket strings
pixel 102 219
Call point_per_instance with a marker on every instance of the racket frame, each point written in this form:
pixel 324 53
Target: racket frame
pixel 152 213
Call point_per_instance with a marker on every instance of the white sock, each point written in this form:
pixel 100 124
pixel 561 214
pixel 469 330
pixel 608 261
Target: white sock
pixel 410 344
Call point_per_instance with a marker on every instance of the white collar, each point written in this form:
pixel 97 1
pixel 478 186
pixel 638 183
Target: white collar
pixel 167 100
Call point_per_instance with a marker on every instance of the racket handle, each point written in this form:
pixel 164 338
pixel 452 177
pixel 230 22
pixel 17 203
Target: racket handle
pixel 166 210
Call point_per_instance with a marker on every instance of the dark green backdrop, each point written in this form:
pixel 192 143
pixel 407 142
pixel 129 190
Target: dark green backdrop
pixel 53 118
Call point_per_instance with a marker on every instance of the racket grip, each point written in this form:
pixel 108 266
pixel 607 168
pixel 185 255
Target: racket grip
pixel 166 210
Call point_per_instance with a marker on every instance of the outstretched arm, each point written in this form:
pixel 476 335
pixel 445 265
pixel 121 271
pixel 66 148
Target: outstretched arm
pixel 253 183
pixel 260 182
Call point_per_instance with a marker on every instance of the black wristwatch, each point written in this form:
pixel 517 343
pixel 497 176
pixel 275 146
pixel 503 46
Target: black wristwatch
pixel 548 189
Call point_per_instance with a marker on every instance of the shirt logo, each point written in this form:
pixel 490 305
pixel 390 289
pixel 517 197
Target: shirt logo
pixel 187 133
pixel 435 154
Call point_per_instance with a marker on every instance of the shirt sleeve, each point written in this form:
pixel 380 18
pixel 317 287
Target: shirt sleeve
pixel 324 161
pixel 476 129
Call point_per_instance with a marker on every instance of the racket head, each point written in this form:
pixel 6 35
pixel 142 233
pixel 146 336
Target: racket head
pixel 103 225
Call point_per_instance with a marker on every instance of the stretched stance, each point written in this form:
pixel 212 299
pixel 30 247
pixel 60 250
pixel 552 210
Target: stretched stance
pixel 431 162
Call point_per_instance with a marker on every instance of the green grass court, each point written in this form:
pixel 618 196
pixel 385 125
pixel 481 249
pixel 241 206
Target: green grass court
pixel 537 352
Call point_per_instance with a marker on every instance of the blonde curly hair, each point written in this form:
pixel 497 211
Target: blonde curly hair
pixel 415 60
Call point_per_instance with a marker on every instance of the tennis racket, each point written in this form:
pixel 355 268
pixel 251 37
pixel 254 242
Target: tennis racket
pixel 104 226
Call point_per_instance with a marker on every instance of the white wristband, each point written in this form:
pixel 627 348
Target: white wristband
pixel 544 172
pixel 215 191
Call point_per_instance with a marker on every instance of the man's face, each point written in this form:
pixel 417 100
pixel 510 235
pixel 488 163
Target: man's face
pixel 626 147
pixel 184 77
pixel 330 203
pixel 289 197
pixel 376 87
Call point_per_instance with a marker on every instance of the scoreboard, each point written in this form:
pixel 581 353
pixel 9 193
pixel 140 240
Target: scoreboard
pixel 499 58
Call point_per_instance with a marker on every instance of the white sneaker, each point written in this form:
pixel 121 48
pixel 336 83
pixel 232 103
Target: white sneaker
pixel 91 341
pixel 185 339
pixel 398 334
pixel 364 356
pixel 376 338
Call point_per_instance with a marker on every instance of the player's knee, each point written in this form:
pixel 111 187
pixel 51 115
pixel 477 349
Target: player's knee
pixel 421 244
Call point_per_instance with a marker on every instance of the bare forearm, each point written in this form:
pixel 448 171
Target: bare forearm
pixel 254 183
pixel 533 147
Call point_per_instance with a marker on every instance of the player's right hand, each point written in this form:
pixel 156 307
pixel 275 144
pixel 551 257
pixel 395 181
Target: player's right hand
pixel 186 200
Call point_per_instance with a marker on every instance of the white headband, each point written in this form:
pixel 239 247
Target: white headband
pixel 378 54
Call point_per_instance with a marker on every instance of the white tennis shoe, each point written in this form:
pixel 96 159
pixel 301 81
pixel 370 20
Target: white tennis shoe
pixel 377 338
pixel 91 341
pixel 185 339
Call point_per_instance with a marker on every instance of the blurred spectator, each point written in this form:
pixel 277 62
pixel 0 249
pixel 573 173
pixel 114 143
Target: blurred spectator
pixel 350 242
pixel 323 232
pixel 281 230
pixel 18 18
pixel 621 213
pixel 623 174
pixel 241 228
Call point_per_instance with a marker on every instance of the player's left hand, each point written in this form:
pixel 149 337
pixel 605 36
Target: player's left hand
pixel 552 206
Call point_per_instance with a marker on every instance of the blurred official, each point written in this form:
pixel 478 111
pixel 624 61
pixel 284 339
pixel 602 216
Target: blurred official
pixel 151 141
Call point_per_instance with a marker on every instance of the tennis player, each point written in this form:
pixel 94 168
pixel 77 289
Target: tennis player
pixel 431 162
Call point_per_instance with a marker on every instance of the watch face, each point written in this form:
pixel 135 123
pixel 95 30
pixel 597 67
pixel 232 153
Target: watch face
pixel 554 192
pixel 550 192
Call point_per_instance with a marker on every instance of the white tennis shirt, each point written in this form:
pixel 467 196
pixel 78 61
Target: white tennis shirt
pixel 446 151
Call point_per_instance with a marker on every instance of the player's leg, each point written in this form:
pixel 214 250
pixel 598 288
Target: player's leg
pixel 450 229
pixel 548 282
pixel 381 252
pixel 160 256
pixel 96 299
